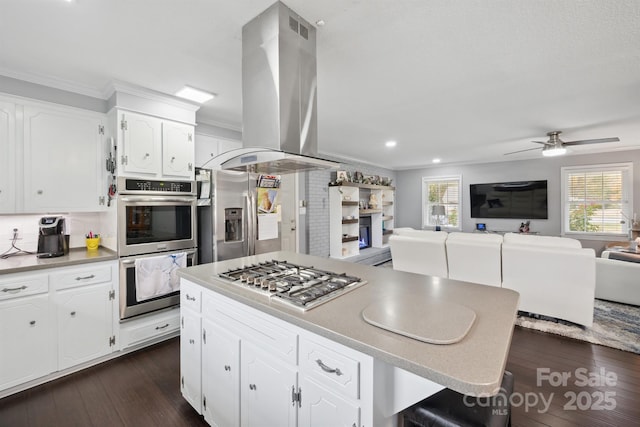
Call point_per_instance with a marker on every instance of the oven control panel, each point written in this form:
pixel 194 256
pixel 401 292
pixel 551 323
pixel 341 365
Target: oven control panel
pixel 133 186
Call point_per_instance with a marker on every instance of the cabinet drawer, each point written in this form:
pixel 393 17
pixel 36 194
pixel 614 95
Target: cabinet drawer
pixel 272 335
pixel 70 278
pixel 330 367
pixel 145 329
pixel 190 296
pixel 22 286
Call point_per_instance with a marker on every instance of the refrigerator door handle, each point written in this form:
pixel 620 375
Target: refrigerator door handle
pixel 249 229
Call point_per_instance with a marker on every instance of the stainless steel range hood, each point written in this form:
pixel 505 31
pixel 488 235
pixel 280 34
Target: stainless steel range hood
pixel 279 86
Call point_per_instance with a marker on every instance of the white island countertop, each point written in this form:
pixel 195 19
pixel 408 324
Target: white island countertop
pixel 473 365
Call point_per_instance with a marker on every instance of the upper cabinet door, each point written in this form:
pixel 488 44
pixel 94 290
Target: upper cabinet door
pixel 7 157
pixel 178 150
pixel 63 160
pixel 140 142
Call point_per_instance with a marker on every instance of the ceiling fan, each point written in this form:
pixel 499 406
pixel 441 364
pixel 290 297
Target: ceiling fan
pixel 556 147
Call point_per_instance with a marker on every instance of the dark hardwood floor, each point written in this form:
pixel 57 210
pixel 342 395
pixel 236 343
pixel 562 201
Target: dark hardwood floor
pixel 141 389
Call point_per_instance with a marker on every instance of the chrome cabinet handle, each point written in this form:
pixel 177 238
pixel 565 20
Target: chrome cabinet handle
pixel 252 386
pixel 18 289
pixel 191 341
pixel 162 327
pixel 190 298
pixel 86 277
pixel 328 369
pixel 227 367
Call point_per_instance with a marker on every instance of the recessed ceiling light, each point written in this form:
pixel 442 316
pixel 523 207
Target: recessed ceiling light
pixel 436 160
pixel 195 95
pixel 390 144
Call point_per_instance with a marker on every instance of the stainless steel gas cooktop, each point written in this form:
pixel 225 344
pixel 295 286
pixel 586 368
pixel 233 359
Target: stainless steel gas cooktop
pixel 294 285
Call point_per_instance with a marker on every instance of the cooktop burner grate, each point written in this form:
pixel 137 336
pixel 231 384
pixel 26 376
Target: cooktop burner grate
pixel 295 285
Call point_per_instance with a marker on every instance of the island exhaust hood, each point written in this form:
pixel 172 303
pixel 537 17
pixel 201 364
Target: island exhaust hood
pixel 279 84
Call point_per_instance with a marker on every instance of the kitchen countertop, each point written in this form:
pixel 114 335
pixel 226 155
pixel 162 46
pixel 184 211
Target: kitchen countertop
pixel 474 365
pixel 23 263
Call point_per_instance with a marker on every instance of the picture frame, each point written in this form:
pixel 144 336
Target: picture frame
pixel 342 176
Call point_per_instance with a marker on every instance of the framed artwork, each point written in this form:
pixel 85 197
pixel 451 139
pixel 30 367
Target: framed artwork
pixel 342 176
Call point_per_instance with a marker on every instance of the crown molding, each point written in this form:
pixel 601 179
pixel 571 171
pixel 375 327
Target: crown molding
pixel 52 82
pixel 117 86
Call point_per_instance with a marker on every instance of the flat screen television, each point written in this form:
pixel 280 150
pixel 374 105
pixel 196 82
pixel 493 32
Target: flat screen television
pixel 515 200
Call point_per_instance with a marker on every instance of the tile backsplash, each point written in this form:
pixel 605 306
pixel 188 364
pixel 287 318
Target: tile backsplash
pixel 77 225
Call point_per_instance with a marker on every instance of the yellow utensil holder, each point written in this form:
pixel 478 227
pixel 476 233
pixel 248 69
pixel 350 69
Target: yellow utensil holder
pixel 93 243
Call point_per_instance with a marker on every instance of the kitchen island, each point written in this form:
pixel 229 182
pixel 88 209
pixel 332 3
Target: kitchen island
pixel 390 371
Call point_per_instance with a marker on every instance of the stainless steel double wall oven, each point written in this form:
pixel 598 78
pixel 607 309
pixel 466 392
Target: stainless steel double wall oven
pixel 154 218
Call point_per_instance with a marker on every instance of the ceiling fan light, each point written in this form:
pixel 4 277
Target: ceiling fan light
pixel 554 151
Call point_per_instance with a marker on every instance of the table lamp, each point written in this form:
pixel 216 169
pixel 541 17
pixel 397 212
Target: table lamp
pixel 437 211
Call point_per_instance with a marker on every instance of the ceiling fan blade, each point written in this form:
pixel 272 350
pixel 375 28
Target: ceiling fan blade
pixel 591 141
pixel 544 143
pixel 522 151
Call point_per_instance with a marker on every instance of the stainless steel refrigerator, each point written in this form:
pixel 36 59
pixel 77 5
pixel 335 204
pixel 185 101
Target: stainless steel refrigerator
pixel 237 217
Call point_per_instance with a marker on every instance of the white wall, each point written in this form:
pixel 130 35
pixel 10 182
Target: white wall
pixel 78 225
pixel 409 187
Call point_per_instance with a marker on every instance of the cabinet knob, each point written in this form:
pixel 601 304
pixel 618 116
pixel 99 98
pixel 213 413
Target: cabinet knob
pixel 39 192
pixel 227 367
pixel 146 155
pixel 173 158
pixel 252 386
pixel 191 341
pixel 73 314
pixel 32 323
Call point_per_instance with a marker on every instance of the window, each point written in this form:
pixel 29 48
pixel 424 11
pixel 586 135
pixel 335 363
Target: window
pixel 597 199
pixel 441 202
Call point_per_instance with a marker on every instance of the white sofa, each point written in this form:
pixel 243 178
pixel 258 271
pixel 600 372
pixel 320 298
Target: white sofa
pixel 555 276
pixel 475 257
pixel 419 251
pixel 617 280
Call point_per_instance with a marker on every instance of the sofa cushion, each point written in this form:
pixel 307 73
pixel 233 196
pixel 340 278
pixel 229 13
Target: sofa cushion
pixel 422 253
pixel 475 257
pixel 531 239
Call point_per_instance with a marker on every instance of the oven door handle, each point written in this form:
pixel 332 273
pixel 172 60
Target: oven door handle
pixel 132 261
pixel 158 199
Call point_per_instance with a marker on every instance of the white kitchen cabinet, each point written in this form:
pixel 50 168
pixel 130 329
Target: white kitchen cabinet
pixel 63 159
pixel 322 407
pixel 177 150
pixel 86 307
pixel 190 348
pixel 27 338
pixel 85 329
pixel 154 148
pixel 191 345
pixel 267 385
pixel 7 157
pixel 207 147
pixel 220 375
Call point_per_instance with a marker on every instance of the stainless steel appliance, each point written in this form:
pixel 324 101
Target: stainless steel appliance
pixel 279 87
pixel 155 218
pixel 294 285
pixel 229 226
pixel 129 304
pixel 52 238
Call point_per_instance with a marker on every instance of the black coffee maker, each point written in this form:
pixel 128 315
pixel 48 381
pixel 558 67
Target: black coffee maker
pixel 52 240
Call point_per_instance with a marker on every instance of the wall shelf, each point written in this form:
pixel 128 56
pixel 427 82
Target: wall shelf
pixel 350 221
pixel 379 220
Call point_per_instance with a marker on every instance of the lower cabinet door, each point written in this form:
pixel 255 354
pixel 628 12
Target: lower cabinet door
pixel 321 407
pixel 220 376
pixel 27 340
pixel 266 388
pixel 190 347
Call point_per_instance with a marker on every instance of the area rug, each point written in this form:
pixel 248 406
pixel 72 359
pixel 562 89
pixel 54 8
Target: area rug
pixel 614 325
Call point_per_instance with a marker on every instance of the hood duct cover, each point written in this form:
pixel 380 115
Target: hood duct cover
pixel 279 87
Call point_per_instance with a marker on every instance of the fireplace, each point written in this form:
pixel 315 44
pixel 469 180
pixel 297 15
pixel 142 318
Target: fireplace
pixel 365 232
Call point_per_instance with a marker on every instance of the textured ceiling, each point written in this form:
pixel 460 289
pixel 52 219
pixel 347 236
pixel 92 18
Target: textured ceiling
pixel 466 81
